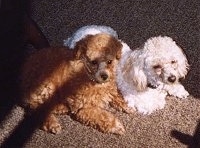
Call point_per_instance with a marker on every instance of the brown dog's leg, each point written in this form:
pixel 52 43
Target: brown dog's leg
pixel 100 119
pixel 52 124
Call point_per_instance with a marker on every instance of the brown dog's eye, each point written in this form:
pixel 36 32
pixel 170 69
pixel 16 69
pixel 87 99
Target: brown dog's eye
pixel 94 62
pixel 157 67
pixel 109 61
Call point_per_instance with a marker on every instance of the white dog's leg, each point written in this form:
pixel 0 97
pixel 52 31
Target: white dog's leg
pixel 177 90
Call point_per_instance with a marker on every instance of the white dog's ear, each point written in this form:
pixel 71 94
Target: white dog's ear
pixel 183 65
pixel 134 74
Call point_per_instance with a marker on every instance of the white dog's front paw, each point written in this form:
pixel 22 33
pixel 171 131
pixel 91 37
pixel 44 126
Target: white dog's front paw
pixel 182 94
pixel 179 92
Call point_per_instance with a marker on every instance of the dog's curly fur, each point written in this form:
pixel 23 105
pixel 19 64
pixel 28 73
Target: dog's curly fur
pixel 160 63
pixel 80 82
pixel 88 30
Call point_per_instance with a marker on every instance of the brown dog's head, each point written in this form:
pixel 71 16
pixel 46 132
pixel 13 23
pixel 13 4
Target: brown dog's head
pixel 100 54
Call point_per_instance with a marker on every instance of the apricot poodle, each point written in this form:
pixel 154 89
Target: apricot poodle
pixel 79 82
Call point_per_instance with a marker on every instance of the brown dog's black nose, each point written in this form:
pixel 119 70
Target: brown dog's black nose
pixel 104 76
pixel 172 79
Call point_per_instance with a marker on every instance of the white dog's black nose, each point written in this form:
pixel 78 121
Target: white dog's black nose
pixel 172 79
pixel 104 76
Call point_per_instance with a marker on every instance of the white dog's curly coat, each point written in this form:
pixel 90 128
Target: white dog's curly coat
pixel 160 63
pixel 88 30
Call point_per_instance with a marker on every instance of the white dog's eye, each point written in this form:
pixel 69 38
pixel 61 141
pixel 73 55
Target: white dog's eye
pixel 157 67
pixel 173 61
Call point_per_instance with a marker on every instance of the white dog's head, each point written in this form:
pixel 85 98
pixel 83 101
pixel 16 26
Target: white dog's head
pixel 160 60
pixel 165 60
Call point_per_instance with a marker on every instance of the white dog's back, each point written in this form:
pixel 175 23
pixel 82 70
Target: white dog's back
pixel 88 30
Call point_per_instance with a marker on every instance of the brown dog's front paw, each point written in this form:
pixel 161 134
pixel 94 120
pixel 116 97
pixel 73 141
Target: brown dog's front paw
pixel 118 128
pixel 53 128
pixel 52 125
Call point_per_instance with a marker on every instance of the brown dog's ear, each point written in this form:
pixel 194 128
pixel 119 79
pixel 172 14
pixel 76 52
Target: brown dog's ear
pixel 78 51
pixel 81 46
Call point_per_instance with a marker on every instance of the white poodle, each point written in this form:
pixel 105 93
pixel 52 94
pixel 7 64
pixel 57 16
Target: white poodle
pixel 145 76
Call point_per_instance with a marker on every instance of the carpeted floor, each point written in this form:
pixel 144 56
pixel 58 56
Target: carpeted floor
pixel 175 126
